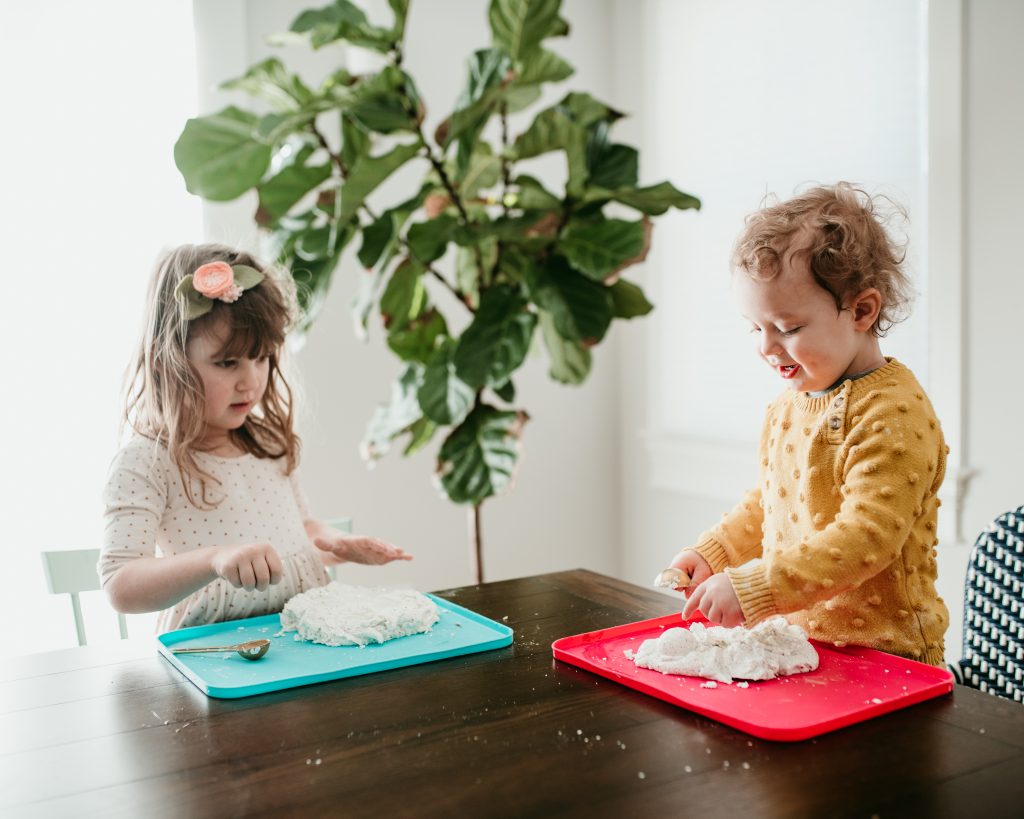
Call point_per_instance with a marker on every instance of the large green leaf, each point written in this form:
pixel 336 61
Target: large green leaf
pixel 582 309
pixel 565 127
pixel 629 300
pixel 428 240
pixel 368 173
pixel 401 10
pixel 543 66
pixel 443 396
pixel 519 26
pixel 220 156
pixel 473 263
pixel 656 199
pixel 376 237
pixel 486 68
pixel 484 171
pixel 270 81
pixel 419 337
pixel 379 102
pixel 534 196
pixel 405 296
pixel 397 416
pixel 478 459
pixel 610 165
pixel 355 142
pixel 599 248
pixel 342 20
pixel 496 342
pixel 279 193
pixel 570 360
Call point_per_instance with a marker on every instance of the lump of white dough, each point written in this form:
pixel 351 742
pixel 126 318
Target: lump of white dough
pixel 341 615
pixel 772 648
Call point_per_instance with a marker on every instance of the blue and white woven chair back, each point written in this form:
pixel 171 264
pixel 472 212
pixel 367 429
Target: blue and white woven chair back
pixel 993 652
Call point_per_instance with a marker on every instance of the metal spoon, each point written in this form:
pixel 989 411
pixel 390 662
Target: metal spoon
pixel 252 650
pixel 672 579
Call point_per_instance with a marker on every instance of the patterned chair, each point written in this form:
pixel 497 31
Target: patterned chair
pixel 993 651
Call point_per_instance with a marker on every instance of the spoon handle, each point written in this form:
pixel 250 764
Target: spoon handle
pixel 201 650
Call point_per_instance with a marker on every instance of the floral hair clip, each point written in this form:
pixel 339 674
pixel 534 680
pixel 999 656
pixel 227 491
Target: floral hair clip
pixel 215 280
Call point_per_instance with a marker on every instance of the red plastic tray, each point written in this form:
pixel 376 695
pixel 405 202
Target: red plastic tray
pixel 850 685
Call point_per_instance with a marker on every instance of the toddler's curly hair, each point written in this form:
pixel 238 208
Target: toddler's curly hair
pixel 841 230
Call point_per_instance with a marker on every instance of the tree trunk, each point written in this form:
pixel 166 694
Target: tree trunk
pixel 476 546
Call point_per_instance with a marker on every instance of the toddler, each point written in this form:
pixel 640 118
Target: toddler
pixel 839 534
pixel 205 519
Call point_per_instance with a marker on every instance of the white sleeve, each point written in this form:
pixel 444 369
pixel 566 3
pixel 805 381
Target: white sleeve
pixel 134 500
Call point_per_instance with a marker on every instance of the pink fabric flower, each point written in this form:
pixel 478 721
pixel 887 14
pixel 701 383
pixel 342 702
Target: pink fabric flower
pixel 216 280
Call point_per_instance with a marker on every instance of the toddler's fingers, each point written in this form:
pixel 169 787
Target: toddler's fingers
pixel 323 544
pixel 692 603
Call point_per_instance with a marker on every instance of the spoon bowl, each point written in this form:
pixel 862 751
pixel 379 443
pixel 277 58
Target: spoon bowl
pixel 252 650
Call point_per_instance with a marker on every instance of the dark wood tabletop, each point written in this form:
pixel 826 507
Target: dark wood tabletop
pixel 116 730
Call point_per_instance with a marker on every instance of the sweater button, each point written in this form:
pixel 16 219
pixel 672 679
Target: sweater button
pixel 833 422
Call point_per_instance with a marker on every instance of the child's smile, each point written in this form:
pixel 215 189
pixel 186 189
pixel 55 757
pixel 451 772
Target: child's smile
pixel 800 332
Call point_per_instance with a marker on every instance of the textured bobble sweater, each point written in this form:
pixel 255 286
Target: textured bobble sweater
pixel 844 518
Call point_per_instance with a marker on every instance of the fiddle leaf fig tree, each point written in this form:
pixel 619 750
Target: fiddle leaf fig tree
pixel 525 262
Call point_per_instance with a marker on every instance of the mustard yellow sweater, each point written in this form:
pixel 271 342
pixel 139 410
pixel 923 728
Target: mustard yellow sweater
pixel 844 518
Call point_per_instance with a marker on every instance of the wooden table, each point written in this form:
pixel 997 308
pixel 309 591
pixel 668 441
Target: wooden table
pixel 115 730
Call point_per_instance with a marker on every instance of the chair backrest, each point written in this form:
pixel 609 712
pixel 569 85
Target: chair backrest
pixel 993 652
pixel 72 572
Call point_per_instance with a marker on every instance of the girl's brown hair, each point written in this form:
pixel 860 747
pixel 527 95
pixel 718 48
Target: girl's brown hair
pixel 840 231
pixel 165 398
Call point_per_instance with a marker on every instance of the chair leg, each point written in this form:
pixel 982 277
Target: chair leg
pixel 122 626
pixel 76 607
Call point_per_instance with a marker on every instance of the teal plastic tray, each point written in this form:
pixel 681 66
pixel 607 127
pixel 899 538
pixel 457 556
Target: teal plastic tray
pixel 290 663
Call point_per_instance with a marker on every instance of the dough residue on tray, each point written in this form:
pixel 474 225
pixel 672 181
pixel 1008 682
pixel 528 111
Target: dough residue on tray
pixel 772 648
pixel 341 615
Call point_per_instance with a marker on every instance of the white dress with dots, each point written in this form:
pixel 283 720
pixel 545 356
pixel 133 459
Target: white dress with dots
pixel 147 514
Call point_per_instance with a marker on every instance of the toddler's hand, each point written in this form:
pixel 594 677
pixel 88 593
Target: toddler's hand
pixel 252 566
pixel 694 564
pixel 716 599
pixel 343 548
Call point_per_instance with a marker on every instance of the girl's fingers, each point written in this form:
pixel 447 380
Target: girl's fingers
pixel 247 576
pixel 261 570
pixel 275 566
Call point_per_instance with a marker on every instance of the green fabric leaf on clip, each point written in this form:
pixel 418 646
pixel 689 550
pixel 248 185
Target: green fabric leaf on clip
pixel 196 304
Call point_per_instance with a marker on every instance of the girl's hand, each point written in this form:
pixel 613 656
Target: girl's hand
pixel 716 599
pixel 251 566
pixel 693 563
pixel 344 548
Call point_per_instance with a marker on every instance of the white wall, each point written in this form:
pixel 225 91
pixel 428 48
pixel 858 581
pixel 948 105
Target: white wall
pixel 993 186
pixel 563 512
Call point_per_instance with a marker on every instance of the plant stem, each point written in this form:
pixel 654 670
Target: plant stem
pixel 476 556
pixel 335 158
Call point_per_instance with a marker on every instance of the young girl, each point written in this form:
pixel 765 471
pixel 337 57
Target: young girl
pixel 205 520
pixel 839 535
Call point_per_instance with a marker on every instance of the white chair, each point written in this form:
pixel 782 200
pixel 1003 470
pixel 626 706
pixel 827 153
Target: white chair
pixel 73 572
